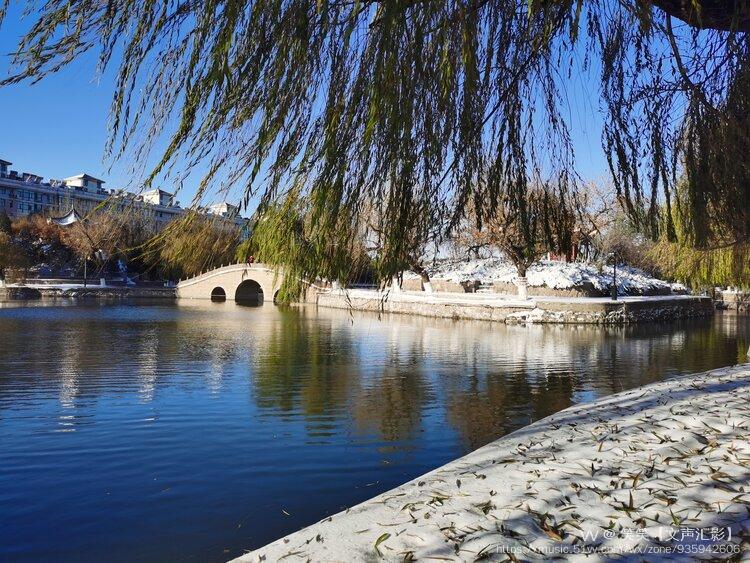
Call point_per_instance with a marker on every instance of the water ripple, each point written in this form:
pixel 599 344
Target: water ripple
pixel 224 427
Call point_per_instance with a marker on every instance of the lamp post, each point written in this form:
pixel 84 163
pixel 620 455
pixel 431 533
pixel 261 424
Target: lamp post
pixel 613 293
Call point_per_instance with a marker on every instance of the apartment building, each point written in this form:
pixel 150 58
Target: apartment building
pixel 24 194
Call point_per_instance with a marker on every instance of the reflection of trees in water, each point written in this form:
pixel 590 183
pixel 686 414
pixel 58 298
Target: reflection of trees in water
pixel 489 405
pixel 68 356
pixel 392 402
pixel 85 351
pixel 321 364
pixel 391 391
pixel 380 374
pixel 652 350
pixel 501 378
pixel 492 378
pixel 511 377
pixel 304 363
pixel 534 366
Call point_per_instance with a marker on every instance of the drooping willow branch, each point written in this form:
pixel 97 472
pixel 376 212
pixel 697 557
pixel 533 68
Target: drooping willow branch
pixel 421 108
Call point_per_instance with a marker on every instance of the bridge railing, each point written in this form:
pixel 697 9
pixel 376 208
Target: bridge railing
pixel 227 268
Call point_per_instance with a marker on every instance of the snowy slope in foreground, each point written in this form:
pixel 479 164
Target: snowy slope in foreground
pixel 553 274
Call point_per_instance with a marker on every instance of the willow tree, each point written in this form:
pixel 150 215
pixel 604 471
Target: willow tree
pixel 714 261
pixel 407 103
pixel 678 99
pixel 194 244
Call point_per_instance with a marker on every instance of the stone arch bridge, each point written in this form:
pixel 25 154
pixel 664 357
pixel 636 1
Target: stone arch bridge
pixel 251 283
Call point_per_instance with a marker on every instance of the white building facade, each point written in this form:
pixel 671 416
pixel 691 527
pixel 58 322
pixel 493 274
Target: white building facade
pixel 23 194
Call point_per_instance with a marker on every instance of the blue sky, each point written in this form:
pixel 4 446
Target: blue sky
pixel 58 127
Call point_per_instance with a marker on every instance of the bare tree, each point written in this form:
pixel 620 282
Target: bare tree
pixel 115 232
pixel 523 234
pixel 11 255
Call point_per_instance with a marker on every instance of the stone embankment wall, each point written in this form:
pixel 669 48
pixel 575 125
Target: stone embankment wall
pixel 736 300
pixel 584 289
pixel 441 286
pixel 30 293
pixel 621 312
pixel 393 304
pixel 533 311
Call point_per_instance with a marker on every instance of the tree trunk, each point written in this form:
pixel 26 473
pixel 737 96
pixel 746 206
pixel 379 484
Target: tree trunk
pixel 521 282
pixel 426 284
pixel 395 284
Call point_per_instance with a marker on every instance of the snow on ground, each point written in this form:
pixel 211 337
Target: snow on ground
pixel 553 274
pixel 655 473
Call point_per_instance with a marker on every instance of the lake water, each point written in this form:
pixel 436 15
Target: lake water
pixel 194 432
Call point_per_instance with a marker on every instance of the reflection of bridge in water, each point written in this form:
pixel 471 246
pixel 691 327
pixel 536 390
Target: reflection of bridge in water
pixel 248 283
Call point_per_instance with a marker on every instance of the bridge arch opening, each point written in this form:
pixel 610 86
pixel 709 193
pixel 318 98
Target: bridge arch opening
pixel 218 295
pixel 249 292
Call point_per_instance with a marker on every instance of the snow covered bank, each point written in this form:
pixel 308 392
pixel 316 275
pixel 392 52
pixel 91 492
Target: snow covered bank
pixel 552 274
pixel 659 472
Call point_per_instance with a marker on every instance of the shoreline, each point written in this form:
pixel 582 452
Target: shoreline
pixel 260 278
pixel 40 292
pixel 470 306
pixel 511 310
pixel 617 475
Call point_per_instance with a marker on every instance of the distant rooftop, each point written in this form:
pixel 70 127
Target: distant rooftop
pixel 223 207
pixel 85 177
pixel 157 191
pixel 6 162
